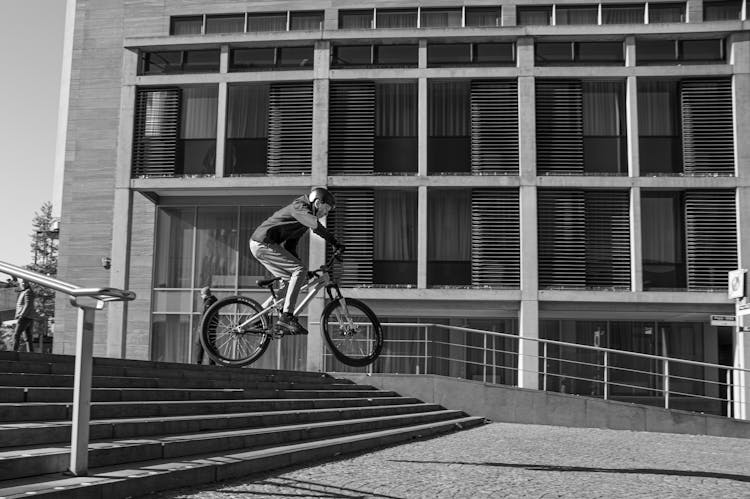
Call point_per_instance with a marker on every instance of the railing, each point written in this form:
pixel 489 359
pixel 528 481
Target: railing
pixel 84 352
pixel 563 367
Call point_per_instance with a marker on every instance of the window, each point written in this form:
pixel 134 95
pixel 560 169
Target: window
pixel 351 55
pixel 680 51
pixel 355 19
pixel 230 23
pixel 562 53
pixel 295 57
pixel 722 10
pixel 481 17
pixel 395 252
pixel 305 21
pixel 533 16
pixel 448 129
pixel 402 18
pixel 196 147
pixel 396 127
pixel 583 14
pixel 663 240
pixel 623 14
pixel 448 258
pixel 251 59
pixel 187 25
pixel 456 54
pixel 247 129
pixel 494 53
pixel 655 51
pixel 181 61
pixel 666 13
pixel 440 18
pixel 397 56
pixel 275 21
pixel 701 50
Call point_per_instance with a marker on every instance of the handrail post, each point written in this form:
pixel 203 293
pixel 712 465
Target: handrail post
pixel 606 375
pixel 79 445
pixel 426 342
pixel 666 383
pixel 729 392
pixel 484 359
pixel 544 367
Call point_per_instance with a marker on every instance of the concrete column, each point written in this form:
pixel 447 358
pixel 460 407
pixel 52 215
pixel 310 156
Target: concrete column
pixel 315 340
pixel 117 313
pixel 422 238
pixel 636 244
pixel 320 113
pixel 634 169
pixel 694 11
pixel 422 126
pixel 221 129
pixel 525 57
pixel 528 351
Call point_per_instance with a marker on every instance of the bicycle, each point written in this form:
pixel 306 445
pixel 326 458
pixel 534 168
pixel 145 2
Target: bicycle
pixel 237 330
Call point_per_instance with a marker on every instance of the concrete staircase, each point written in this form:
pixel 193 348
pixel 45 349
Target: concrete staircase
pixel 156 426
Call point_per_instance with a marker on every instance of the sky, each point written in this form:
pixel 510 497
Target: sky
pixel 31 47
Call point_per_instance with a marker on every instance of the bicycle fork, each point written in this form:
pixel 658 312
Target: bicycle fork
pixel 347 317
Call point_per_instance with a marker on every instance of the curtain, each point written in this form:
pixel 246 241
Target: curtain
pixel 306 21
pixel 534 16
pixel 199 107
pixel 669 13
pixel 174 247
pixel 657 103
pixel 170 338
pixel 449 109
pixel 661 221
pixel 576 15
pixel 722 10
pixel 216 247
pixel 225 24
pixel 441 18
pixel 395 225
pixel 449 225
pixel 623 14
pixel 266 22
pixel 603 102
pixel 356 20
pixel 482 17
pixel 247 111
pixel 396 109
pixel 187 26
pixel 397 19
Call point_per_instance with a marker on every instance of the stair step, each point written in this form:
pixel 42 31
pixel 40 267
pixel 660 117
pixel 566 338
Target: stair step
pixel 30 461
pixel 54 432
pixel 124 481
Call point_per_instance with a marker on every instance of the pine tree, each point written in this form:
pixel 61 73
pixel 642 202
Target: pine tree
pixel 44 239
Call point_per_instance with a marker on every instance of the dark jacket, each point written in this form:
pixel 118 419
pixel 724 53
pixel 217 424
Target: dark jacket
pixel 289 224
pixel 25 305
pixel 208 301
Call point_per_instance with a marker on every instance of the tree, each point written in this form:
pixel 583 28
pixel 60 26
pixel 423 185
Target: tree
pixel 44 239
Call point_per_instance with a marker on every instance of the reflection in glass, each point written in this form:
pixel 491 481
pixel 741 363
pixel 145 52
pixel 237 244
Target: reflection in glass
pixel 174 247
pixel 395 259
pixel 231 23
pixel 355 19
pixel 216 247
pixel 171 338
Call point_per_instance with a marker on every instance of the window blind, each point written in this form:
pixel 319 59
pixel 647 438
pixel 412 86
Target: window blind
pixel 559 126
pixel 290 129
pixel 495 238
pixel 494 126
pixel 353 223
pixel 607 239
pixel 157 118
pixel 351 128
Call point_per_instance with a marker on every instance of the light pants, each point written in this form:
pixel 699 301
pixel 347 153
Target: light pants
pixel 281 263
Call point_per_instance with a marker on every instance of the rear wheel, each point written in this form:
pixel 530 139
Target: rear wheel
pixel 352 331
pixel 225 336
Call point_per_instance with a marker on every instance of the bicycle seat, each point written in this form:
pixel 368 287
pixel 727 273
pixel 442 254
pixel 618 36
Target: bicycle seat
pixel 264 283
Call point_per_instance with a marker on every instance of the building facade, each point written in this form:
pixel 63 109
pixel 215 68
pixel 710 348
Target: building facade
pixel 575 171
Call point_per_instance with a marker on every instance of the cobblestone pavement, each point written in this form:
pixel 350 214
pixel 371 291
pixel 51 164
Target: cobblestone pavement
pixel 515 460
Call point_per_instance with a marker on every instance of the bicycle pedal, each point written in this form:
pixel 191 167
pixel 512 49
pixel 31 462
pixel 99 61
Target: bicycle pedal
pixel 277 333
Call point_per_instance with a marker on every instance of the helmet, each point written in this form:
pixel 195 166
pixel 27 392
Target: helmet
pixel 324 195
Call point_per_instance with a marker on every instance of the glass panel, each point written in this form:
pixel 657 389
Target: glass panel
pixel 449 148
pixel 201 61
pixel 604 136
pixel 352 55
pixel 603 52
pixel 396 18
pixel 482 16
pixel 173 301
pixel 440 18
pixel 655 51
pixel 154 63
pixel 231 23
pixel 297 57
pixel 171 338
pixel 197 145
pixel 395 259
pixel 629 374
pixel 534 16
pixel 306 21
pixel 449 258
pixel 570 369
pixel 439 54
pixel 576 15
pixel 701 50
pixel 266 22
pixel 666 13
pixel 189 25
pixel 397 55
pixel 494 53
pixel 723 10
pixel 659 127
pixel 355 19
pixel 174 247
pixel 663 241
pixel 685 340
pixel 396 127
pixel 216 247
pixel 249 59
pixel 553 52
pixel 247 129
pixel 623 14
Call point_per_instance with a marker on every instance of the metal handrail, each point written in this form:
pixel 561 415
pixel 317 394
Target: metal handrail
pixel 79 451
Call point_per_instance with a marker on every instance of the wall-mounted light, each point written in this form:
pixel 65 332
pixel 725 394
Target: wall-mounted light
pixel 106 262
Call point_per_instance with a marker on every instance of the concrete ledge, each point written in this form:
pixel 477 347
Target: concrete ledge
pixel 518 405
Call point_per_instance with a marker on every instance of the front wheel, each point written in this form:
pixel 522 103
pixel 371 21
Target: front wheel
pixel 352 331
pixel 227 336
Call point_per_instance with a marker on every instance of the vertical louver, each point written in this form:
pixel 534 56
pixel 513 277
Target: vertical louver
pixel 562 239
pixel 157 118
pixel 353 224
pixel 351 128
pixel 559 127
pixel 711 233
pixel 494 127
pixel 707 129
pixel 607 239
pixel 495 238
pixel 290 129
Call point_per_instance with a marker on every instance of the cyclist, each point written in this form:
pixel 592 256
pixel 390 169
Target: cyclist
pixel 274 245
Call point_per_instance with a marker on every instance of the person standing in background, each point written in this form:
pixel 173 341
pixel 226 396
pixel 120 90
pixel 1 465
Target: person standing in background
pixel 208 300
pixel 25 314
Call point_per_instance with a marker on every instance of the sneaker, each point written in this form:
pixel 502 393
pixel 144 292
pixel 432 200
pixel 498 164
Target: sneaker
pixel 290 324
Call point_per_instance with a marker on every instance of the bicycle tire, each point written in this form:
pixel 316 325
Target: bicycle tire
pixel 226 344
pixel 340 336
